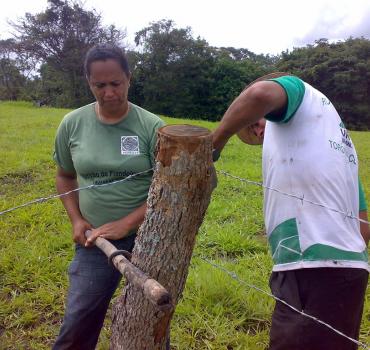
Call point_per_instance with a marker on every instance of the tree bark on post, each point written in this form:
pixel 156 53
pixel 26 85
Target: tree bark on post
pixel 178 199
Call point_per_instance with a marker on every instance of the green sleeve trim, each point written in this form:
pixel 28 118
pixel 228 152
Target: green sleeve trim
pixel 295 89
pixel 363 205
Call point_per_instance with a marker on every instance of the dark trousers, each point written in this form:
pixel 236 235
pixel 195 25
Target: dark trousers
pixel 333 295
pixel 92 283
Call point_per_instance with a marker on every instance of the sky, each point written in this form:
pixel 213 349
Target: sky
pixel 262 26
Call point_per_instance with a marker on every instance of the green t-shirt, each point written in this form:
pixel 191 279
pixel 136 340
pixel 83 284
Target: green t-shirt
pixel 101 153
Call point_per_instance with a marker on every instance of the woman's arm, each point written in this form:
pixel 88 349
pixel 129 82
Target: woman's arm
pixel 65 182
pixel 119 228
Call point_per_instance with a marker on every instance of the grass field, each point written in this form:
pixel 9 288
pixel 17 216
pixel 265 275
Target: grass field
pixel 216 312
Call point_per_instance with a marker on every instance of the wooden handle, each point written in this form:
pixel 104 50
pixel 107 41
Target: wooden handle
pixel 155 292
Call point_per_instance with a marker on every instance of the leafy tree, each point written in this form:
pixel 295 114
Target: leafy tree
pixel 173 70
pixel 12 80
pixel 59 38
pixel 266 62
pixel 341 71
pixel 174 73
pixel 233 70
pixel 181 76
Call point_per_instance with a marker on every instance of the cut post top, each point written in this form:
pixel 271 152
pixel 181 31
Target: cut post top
pixel 184 130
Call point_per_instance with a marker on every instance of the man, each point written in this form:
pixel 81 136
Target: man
pixel 320 256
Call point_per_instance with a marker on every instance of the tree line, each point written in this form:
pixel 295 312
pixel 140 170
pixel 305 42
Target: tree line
pixel 174 74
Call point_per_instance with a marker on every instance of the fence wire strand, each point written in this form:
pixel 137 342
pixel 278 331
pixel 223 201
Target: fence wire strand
pixel 45 199
pixel 300 198
pixel 235 277
pixel 230 273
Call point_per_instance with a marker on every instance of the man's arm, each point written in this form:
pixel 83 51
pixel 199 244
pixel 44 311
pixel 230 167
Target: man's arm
pixel 364 228
pixel 251 105
pixel 66 181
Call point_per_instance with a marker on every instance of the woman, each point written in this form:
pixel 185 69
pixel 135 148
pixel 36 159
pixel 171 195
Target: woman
pixel 99 143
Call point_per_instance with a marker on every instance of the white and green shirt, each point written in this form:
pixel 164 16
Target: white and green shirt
pixel 102 153
pixel 309 153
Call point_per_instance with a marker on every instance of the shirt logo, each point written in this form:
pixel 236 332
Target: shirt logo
pixel 345 137
pixel 130 145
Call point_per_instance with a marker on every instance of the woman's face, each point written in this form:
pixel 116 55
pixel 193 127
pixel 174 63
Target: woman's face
pixel 109 84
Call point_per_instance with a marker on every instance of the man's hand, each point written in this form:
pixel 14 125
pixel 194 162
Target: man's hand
pixel 112 230
pixel 214 180
pixel 78 231
pixel 216 154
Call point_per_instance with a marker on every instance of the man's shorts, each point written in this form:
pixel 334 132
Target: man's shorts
pixel 333 295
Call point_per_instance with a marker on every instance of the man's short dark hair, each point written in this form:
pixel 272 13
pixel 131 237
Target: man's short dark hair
pixel 103 52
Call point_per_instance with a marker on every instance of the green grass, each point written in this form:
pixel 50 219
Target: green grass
pixel 216 312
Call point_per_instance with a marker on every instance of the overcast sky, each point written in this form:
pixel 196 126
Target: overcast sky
pixel 262 26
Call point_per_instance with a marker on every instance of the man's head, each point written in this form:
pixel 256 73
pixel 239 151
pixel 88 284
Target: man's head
pixel 253 134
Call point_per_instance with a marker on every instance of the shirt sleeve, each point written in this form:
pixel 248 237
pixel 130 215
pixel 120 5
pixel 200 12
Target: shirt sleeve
pixel 294 89
pixel 363 205
pixel 62 153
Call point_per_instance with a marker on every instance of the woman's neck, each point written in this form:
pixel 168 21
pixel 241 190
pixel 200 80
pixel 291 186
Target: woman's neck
pixel 111 117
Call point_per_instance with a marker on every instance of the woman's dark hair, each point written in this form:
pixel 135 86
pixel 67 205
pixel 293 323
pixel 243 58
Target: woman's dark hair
pixel 102 52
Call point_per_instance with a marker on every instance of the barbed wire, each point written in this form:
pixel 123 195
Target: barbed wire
pixel 233 275
pixel 301 198
pixel 44 199
pixel 230 273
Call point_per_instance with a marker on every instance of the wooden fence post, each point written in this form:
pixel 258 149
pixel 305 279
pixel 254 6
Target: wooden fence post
pixel 178 199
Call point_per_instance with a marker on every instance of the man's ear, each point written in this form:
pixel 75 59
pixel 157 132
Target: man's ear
pixel 247 136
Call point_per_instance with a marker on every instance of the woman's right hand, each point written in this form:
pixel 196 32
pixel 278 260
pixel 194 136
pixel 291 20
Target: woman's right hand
pixel 79 227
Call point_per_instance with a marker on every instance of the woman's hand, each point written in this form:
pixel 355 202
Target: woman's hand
pixel 79 227
pixel 112 230
pixel 119 228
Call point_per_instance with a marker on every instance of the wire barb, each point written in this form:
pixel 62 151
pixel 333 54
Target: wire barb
pixel 230 273
pixel 302 199
pixel 44 199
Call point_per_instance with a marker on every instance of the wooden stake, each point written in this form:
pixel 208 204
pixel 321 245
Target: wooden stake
pixel 178 199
